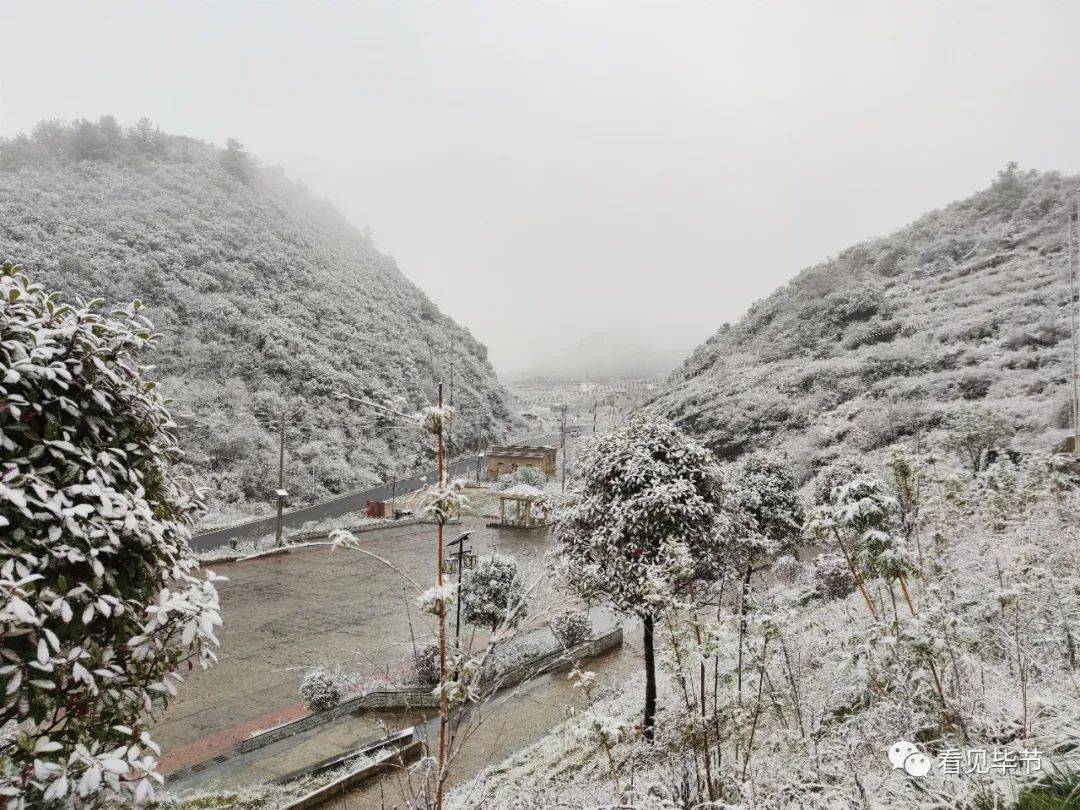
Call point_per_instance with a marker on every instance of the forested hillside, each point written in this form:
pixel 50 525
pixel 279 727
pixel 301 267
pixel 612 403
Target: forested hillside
pixel 966 307
pixel 267 301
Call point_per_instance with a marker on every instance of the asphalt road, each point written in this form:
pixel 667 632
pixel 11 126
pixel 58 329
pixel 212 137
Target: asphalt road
pixel 342 505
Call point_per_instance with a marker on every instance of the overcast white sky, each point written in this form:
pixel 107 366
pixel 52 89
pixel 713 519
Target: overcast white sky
pixel 639 173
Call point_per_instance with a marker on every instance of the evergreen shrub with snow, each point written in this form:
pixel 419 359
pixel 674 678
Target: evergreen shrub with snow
pixel 572 628
pixel 100 605
pixel 523 475
pixel 494 593
pixel 767 488
pixel 973 433
pixel 321 689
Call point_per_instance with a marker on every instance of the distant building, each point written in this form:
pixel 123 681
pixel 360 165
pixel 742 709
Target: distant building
pixel 503 459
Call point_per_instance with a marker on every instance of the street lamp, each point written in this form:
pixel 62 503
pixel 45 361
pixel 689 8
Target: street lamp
pixel 452 564
pixel 479 461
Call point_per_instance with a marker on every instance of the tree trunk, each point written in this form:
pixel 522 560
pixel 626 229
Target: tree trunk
pixel 650 680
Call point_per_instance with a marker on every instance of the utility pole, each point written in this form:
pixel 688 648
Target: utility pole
pixel 594 417
pixel 562 441
pixel 465 558
pixel 450 425
pixel 281 455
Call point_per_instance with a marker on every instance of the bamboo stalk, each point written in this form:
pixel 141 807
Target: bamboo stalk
pixel 701 680
pixel 855 575
pixel 930 661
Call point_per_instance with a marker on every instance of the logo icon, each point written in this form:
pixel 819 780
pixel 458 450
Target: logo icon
pixel 907 757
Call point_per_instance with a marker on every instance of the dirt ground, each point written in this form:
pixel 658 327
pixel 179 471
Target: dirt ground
pixel 285 613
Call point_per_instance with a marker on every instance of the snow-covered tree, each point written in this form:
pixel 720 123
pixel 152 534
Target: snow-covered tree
pixel 863 519
pixel 651 516
pixel 494 593
pixel 973 433
pixel 767 490
pixel 100 605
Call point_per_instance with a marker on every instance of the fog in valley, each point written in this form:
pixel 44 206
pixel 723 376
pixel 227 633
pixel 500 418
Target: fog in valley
pixel 629 175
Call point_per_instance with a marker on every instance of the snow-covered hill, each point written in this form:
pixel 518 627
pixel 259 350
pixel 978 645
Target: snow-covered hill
pixel 967 305
pixel 266 298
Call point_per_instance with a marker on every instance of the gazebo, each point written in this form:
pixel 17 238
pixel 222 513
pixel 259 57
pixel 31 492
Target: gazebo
pixel 528 507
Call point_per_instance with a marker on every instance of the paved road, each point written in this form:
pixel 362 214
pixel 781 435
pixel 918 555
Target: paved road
pixel 342 505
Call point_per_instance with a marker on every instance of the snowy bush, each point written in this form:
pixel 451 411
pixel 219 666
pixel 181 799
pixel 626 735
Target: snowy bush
pixel 767 488
pixel 522 475
pixel 426 664
pixel 832 577
pixel 840 472
pixel 494 593
pixel 515 654
pixel 99 603
pixel 973 433
pixel 572 628
pixel 321 689
pixel 786 569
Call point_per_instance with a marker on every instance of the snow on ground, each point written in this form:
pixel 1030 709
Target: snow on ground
pixel 827 689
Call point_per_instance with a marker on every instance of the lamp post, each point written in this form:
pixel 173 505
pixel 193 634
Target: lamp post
pixel 452 564
pixel 479 461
